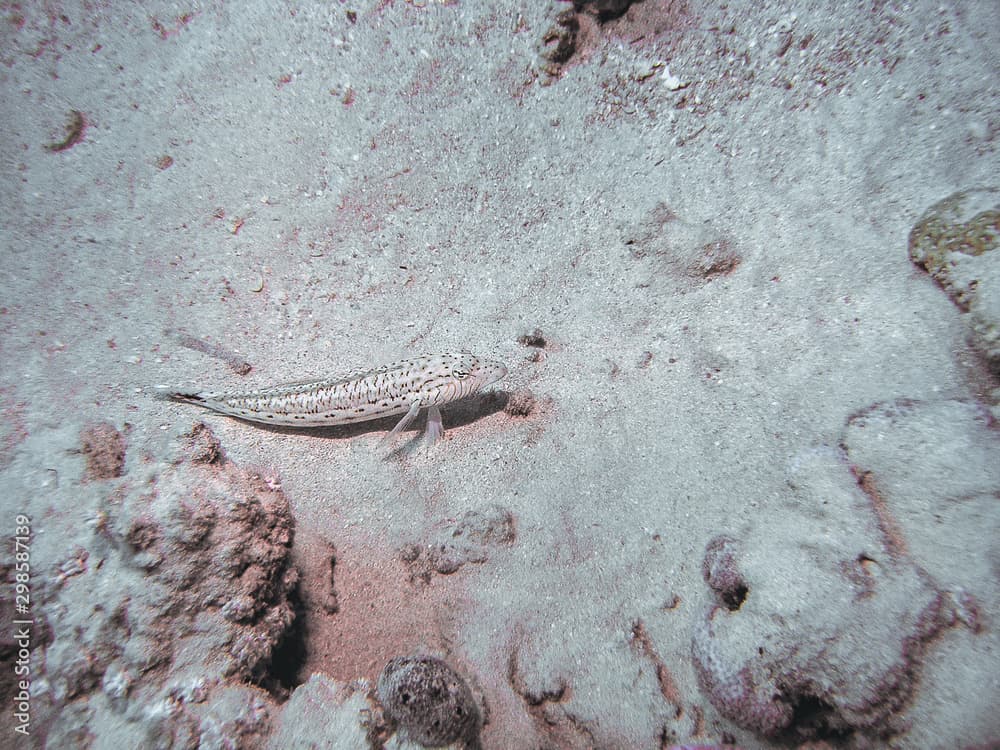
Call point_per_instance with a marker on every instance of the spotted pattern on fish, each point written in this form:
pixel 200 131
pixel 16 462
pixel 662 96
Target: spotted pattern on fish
pixel 402 387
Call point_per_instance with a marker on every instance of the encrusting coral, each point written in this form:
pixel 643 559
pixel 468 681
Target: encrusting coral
pixel 429 700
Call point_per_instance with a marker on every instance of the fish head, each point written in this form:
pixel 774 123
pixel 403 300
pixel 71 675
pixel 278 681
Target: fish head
pixel 477 373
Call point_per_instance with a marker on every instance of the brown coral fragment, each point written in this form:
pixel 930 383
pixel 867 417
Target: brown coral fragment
pixel 103 448
pixel 570 38
pixel 560 39
pixel 642 642
pixel 721 573
pixel 330 601
pixel 74 132
pixel 892 534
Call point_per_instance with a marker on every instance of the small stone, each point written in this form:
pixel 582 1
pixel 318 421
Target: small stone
pixel 672 82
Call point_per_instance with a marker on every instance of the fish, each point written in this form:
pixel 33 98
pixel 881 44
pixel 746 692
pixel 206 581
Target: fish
pixel 404 387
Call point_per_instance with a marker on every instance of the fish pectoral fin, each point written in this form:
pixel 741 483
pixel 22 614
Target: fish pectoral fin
pixel 166 393
pixel 435 427
pixel 404 422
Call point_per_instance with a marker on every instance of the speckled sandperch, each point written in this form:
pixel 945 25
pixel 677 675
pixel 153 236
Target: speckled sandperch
pixel 403 387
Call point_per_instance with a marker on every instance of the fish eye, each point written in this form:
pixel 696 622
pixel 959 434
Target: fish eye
pixel 460 374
